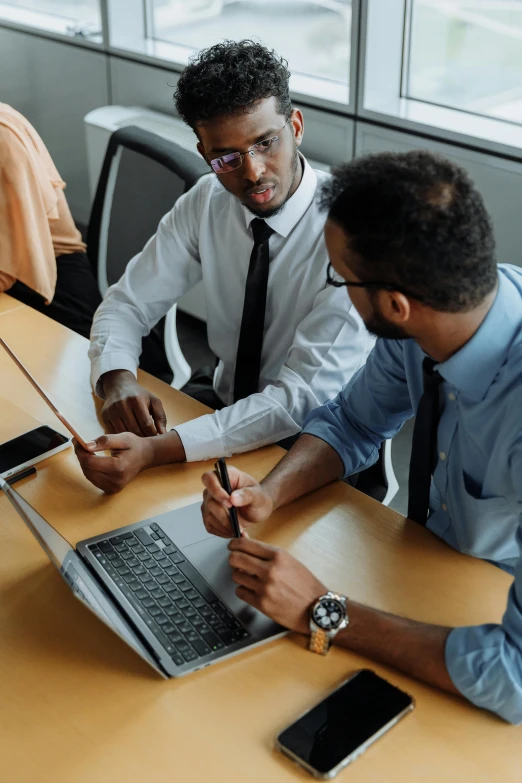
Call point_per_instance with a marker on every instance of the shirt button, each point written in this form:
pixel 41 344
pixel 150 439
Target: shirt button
pixel 444 507
pixel 442 455
pixel 451 396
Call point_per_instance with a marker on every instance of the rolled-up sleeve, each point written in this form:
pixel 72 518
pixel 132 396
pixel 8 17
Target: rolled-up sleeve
pixel 372 407
pixel 485 661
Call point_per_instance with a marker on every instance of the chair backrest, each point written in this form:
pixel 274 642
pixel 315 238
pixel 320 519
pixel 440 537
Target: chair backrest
pixel 142 176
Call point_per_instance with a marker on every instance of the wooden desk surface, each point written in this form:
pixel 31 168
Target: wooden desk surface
pixel 77 706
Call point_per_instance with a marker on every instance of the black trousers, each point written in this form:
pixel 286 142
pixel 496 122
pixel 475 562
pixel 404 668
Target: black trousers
pixel 76 297
pixel 75 301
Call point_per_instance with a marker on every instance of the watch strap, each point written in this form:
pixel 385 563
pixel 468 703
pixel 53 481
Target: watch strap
pixel 319 641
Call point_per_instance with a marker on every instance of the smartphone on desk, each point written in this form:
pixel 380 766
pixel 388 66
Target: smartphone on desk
pixel 30 448
pixel 340 728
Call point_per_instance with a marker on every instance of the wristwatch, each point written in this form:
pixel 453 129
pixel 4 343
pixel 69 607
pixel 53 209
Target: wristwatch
pixel 327 618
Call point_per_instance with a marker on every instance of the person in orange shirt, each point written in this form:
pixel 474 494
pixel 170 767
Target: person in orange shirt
pixel 43 261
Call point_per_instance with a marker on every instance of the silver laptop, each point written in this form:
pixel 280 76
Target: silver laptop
pixel 163 585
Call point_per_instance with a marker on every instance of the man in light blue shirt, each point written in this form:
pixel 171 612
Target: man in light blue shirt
pixel 410 236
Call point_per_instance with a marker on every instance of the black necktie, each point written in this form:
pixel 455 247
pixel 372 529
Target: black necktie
pixel 424 443
pixel 250 345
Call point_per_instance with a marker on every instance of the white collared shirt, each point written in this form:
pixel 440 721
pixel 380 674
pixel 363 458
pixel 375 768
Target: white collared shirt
pixel 314 339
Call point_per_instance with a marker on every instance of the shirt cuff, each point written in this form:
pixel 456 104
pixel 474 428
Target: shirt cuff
pixel 201 439
pixel 117 360
pixel 484 670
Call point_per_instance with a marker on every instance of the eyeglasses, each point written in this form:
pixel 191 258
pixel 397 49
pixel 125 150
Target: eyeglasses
pixel 233 160
pixel 330 280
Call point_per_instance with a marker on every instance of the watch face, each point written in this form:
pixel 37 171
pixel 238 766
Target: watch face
pixel 329 614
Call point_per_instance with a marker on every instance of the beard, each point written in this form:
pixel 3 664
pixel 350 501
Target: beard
pixel 267 213
pixel 380 327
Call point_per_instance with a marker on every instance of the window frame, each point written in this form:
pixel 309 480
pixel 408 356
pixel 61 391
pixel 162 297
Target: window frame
pixel 383 101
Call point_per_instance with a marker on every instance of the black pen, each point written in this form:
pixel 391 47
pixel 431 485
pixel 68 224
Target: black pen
pixel 222 474
pixel 20 475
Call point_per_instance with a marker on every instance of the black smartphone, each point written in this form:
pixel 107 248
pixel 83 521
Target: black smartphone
pixel 30 448
pixel 222 474
pixel 333 733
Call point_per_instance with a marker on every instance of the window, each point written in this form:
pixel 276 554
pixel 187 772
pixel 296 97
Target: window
pixel 79 18
pixel 467 55
pixel 313 35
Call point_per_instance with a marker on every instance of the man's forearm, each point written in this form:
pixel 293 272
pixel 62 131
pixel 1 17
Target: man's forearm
pixel 415 648
pixel 310 464
pixel 165 449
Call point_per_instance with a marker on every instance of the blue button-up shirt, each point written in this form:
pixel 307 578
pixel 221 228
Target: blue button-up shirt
pixel 476 491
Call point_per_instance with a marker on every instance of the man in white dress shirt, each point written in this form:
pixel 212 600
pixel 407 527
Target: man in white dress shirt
pixel 253 232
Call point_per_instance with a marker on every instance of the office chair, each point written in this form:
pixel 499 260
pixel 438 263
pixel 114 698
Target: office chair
pixel 142 176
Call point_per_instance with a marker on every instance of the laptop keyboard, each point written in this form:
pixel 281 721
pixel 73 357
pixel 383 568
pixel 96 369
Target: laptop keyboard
pixel 177 604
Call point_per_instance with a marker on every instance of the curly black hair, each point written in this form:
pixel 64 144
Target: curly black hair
pixel 417 221
pixel 230 78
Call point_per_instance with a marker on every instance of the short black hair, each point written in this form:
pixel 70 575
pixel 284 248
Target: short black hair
pixel 417 221
pixel 229 78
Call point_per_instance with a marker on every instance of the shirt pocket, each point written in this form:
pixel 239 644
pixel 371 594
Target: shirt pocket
pixel 488 527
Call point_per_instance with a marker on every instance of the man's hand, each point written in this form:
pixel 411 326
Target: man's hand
pixel 274 582
pixel 129 407
pixel 252 502
pixel 129 455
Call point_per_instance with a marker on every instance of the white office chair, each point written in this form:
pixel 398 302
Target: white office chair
pixel 142 176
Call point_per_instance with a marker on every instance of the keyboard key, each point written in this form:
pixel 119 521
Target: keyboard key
pixel 178 619
pixel 105 546
pixel 174 637
pixel 171 610
pixel 206 611
pixel 139 570
pixel 192 594
pixel 112 555
pixel 133 562
pixel 161 619
pixel 158 555
pixel 135 586
pixel 182 604
pixel 173 592
pixel 145 578
pixel 119 563
pixel 148 603
pixel 134 544
pixel 144 556
pixel 126 536
pixel 178 659
pixel 148 562
pixel 201 647
pixel 168 628
pixel 192 636
pixel 154 535
pixel 164 562
pixel 121 547
pixel 155 611
pixel 227 637
pixel 171 570
pixel 137 548
pixel 177 558
pixel 177 578
pixel 164 601
pixel 199 603
pixel 184 586
pixel 160 533
pixel 190 655
pixel 141 594
pixel 163 580
pixel 152 548
pixel 129 577
pixel 213 641
pixel 156 571
pixel 143 537
pixel 128 554
pixel 184 627
pixel 157 593
pixel 170 549
pixel 190 612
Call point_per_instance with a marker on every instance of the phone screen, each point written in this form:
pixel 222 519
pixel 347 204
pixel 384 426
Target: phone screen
pixel 29 446
pixel 344 721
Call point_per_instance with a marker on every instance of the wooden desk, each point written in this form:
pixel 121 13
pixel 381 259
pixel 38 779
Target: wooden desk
pixel 77 706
